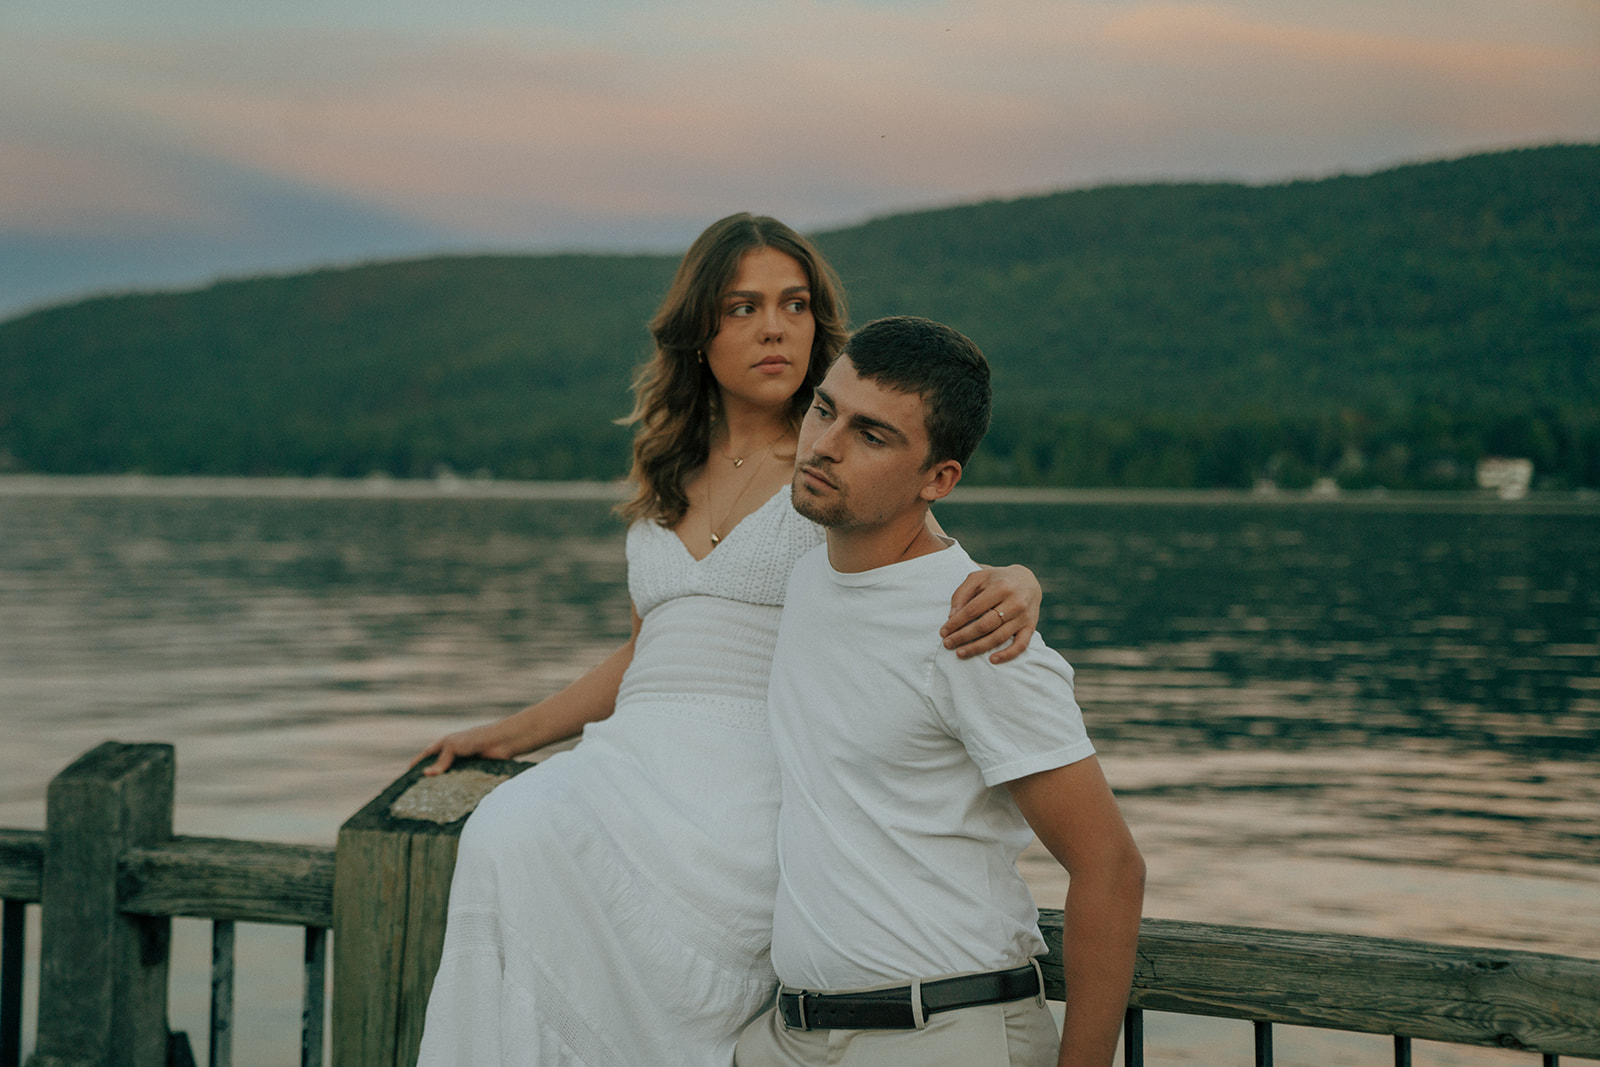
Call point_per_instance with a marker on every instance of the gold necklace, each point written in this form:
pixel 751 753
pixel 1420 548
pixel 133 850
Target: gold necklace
pixel 716 538
pixel 738 461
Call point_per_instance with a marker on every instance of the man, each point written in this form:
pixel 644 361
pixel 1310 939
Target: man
pixel 912 778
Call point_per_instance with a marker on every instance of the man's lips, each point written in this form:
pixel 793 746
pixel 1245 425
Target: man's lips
pixel 813 474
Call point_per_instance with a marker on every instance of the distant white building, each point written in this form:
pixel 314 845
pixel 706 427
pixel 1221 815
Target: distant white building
pixel 1509 478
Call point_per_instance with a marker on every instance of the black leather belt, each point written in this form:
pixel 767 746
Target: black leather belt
pixel 890 1009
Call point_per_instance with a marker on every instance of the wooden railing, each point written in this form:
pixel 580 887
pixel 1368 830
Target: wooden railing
pixel 1413 990
pixel 110 877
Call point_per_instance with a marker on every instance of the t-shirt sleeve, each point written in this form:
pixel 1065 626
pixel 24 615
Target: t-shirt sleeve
pixel 1016 718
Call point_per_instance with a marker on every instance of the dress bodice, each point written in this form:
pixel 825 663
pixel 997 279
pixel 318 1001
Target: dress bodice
pixel 751 565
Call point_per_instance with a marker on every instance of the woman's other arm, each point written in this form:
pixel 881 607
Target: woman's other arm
pixel 556 718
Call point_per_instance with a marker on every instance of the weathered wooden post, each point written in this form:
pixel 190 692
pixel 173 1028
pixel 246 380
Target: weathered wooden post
pixel 391 888
pixel 103 973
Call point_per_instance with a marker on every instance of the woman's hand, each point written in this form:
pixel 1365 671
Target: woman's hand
pixel 993 606
pixel 555 718
pixel 488 741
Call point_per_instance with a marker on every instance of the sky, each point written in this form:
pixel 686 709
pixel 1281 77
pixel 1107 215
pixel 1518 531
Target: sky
pixel 167 143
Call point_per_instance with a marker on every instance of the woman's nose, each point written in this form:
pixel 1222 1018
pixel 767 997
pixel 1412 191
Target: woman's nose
pixel 772 325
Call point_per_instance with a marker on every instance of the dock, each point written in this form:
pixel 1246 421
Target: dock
pixel 109 876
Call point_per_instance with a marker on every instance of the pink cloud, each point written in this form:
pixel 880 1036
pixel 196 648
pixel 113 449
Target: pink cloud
pixel 821 111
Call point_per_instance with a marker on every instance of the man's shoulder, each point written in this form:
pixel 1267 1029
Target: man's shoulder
pixel 919 590
pixel 953 557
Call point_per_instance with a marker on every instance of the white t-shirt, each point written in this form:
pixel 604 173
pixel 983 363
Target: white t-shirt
pixel 897 840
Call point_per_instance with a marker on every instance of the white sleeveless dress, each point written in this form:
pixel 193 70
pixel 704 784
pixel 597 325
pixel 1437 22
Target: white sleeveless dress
pixel 612 907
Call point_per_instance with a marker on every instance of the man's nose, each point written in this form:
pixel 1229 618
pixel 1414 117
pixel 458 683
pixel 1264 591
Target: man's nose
pixel 826 446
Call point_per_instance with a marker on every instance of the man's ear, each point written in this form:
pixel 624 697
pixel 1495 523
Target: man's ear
pixel 941 478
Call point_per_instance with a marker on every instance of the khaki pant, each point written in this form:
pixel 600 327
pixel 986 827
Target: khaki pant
pixel 1019 1033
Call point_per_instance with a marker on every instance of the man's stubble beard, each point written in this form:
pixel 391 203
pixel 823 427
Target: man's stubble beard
pixel 829 516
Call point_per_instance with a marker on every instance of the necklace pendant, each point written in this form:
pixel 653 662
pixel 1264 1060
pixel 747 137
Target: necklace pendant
pixel 739 462
pixel 715 540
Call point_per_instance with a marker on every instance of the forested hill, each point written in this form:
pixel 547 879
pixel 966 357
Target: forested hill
pixel 1385 329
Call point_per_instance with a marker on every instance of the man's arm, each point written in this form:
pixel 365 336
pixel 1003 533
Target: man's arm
pixel 1072 810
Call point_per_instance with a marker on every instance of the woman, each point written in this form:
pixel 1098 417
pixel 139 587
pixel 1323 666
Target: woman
pixel 614 906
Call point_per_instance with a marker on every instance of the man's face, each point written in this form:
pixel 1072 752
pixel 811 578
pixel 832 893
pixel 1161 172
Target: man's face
pixel 862 453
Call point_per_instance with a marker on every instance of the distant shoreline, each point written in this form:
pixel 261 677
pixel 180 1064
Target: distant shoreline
pixel 1582 501
pixel 371 487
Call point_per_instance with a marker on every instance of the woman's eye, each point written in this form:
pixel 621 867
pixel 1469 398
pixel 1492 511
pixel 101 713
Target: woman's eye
pixel 797 307
pixel 739 311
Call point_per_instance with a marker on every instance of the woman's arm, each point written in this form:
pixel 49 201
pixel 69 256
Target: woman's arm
pixel 556 718
pixel 994 605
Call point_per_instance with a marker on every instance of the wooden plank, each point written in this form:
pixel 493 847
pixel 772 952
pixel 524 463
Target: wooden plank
pixel 1051 923
pixel 13 934
pixel 102 974
pixel 390 892
pixel 432 862
pixel 1472 996
pixel 219 878
pixel 313 1010
pixel 219 1050
pixel 21 864
pixel 369 939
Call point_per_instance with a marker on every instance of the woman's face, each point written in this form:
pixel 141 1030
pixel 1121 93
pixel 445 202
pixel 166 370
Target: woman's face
pixel 762 348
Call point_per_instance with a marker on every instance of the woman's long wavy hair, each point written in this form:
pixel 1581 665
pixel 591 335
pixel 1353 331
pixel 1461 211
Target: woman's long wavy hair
pixel 676 401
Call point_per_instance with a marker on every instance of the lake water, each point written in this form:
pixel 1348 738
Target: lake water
pixel 1365 715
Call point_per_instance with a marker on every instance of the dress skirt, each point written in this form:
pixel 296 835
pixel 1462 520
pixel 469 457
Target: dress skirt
pixel 612 906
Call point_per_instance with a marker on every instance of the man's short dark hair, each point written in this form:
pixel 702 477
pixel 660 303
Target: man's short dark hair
pixel 941 365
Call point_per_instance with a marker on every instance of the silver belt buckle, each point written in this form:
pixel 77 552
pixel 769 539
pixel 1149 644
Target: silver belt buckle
pixel 800 1009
